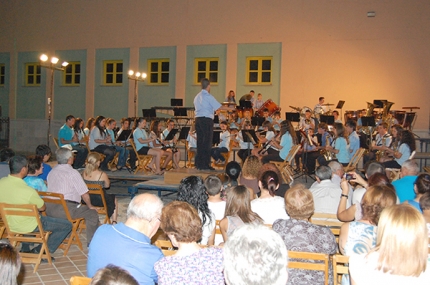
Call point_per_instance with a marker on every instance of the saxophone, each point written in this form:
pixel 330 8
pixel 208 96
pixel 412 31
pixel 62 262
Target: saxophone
pixel 369 113
pixel 381 153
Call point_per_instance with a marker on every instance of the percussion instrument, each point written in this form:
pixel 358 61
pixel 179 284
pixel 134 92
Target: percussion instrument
pixel 269 105
pixel 241 111
pixel 399 116
pixel 410 119
pixel 296 108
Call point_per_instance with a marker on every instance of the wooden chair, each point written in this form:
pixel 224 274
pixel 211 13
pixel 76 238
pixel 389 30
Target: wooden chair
pixel 226 156
pixel 142 160
pixel 96 189
pixel 312 258
pixel 394 173
pixel 324 219
pixel 340 267
pixel 352 165
pixel 114 162
pixel 55 142
pixel 2 228
pixel 79 280
pixel 285 167
pixel 58 199
pixel 190 155
pixel 166 247
pixel 427 169
pixel 40 237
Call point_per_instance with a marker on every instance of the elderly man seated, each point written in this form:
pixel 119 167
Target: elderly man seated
pixel 405 186
pixel 65 180
pixel 13 190
pixel 326 194
pixel 128 245
pixel 255 254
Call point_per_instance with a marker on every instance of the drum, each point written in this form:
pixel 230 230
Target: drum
pixel 409 120
pixel 399 116
pixel 269 105
pixel 242 110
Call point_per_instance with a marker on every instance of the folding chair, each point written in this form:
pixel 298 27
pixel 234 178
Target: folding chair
pixel 58 199
pixel 41 237
pixel 352 165
pixel 190 155
pixel 312 258
pixel 166 247
pixel 55 141
pixel 324 219
pixel 96 189
pixel 394 173
pixel 79 280
pixel 340 267
pixel 285 167
pixel 142 160
pixel 226 156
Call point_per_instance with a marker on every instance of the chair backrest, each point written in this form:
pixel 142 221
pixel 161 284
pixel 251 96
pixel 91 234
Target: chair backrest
pixel 25 210
pixel 80 280
pixel 340 266
pixel 355 159
pixel 324 219
pixel 97 189
pixel 292 153
pixel 55 198
pixel 323 264
pixel 133 145
pixel 163 244
pixel 56 142
pixel 412 155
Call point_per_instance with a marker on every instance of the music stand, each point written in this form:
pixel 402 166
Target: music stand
pixel 171 135
pixel 292 116
pixel 257 121
pixel 368 121
pixel 329 120
pixel 184 133
pixel 124 135
pixel 149 113
pixel 246 138
pixel 245 104
pixel 176 102
pixel 379 103
pixel 215 137
pixel 180 112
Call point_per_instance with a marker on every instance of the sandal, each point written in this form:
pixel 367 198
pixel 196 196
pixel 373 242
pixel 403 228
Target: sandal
pixel 114 223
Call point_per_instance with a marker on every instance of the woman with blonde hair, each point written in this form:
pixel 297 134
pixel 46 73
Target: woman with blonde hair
pixel 249 174
pixel 93 175
pixel 191 264
pixel 301 235
pixel 401 252
pixel 237 211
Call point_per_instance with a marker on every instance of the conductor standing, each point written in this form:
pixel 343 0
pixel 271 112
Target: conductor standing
pixel 205 106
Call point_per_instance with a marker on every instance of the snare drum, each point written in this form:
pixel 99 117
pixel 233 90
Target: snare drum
pixel 269 105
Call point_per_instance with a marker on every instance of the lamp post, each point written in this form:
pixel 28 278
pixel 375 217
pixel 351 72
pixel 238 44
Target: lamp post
pixel 136 77
pixel 52 66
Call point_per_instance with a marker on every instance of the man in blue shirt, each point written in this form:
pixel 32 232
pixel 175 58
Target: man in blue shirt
pixel 128 245
pixel 205 106
pixel 66 135
pixel 354 140
pixel 405 186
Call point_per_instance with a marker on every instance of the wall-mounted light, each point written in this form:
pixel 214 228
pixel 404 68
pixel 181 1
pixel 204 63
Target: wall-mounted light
pixel 371 14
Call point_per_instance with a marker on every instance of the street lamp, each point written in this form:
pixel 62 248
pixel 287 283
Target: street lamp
pixel 51 65
pixel 136 77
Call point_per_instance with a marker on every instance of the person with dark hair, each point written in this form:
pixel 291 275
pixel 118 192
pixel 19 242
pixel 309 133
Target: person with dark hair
pixel 402 152
pixel 159 146
pixel 246 147
pixel 13 190
pixel 35 168
pixel 232 169
pixel 171 144
pixel 249 174
pixel 113 275
pixel 265 140
pixel 223 146
pixel 10 264
pixel 281 148
pixel 307 122
pixel 191 264
pixel 119 147
pixel 205 106
pixel 89 126
pixel 231 97
pixel 238 211
pixel 268 206
pixel 192 190
pixel 425 207
pixel 66 135
pixel 339 148
pixel 336 116
pixel 421 186
pixel 283 187
pixel 326 194
pixel 78 128
pixel 214 189
pixel 5 155
pixel 100 141
pixel 382 140
pixel 299 234
pixel 45 152
pixel 354 139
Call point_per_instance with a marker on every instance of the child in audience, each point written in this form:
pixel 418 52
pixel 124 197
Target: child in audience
pixel 45 152
pixel 35 168
pixel 215 202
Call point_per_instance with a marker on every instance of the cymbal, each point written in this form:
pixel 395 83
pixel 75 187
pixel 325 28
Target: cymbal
pixel 327 104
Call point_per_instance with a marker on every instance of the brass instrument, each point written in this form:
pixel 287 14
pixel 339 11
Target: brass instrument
pixel 381 153
pixel 307 121
pixel 386 113
pixel 369 113
pixel 328 155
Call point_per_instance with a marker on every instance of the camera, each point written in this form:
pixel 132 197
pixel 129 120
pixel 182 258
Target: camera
pixel 349 176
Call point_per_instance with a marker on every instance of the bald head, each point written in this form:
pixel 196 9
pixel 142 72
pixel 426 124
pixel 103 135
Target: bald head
pixel 144 207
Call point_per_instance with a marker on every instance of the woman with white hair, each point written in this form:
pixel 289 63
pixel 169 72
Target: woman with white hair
pixel 401 252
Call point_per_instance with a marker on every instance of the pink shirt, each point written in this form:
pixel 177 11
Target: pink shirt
pixel 65 180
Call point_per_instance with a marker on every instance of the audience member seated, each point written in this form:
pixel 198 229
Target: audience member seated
pixel 5 155
pixel 35 168
pixel 421 186
pixel 283 187
pixel 191 264
pixel 337 173
pixel 238 211
pixel 13 190
pixel 101 142
pixel 254 254
pixel 359 237
pixel 10 264
pixel 192 190
pixel 401 252
pixel 215 203
pixel 249 174
pixel 268 206
pixel 326 194
pixel 405 185
pixel 232 169
pixel 93 175
pixel 65 180
pixel 299 234
pixel 45 152
pixel 113 275
pixel 66 135
pixel 128 245
pixel 425 207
